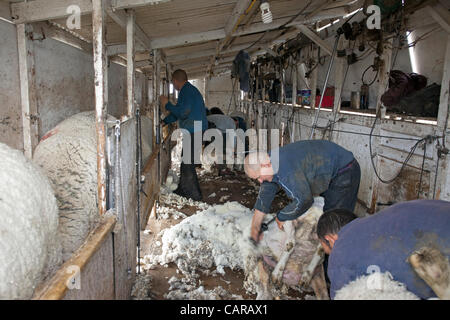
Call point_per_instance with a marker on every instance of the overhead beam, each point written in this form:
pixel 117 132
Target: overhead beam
pixel 441 15
pixel 175 41
pixel 120 17
pixel 40 10
pixel 5 10
pixel 315 38
pixel 125 4
pixel 319 8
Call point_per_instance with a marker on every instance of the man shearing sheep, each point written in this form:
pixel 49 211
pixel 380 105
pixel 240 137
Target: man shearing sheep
pixel 304 169
pixel 384 241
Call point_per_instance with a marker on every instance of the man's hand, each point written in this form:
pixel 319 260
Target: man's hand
pixel 280 224
pixel 163 100
pixel 257 220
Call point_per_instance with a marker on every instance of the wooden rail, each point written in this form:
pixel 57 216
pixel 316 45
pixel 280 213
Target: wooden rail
pixel 56 287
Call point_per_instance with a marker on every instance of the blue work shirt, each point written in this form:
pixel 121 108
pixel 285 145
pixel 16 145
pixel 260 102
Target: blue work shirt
pixel 384 241
pixel 189 108
pixel 304 169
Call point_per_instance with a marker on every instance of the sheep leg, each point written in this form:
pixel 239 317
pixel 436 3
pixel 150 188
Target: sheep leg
pixel 316 260
pixel 319 284
pixel 277 274
pixel 264 279
pixel 434 268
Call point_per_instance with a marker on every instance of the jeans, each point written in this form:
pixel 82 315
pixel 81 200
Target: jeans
pixel 343 190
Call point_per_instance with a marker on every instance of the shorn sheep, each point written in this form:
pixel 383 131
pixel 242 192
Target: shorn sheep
pixel 29 246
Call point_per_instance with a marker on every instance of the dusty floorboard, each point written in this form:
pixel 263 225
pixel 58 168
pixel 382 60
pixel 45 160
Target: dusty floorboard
pixel 233 187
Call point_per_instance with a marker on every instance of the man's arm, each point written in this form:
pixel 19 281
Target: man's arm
pixel 170 119
pixel 267 192
pixel 299 191
pixel 181 110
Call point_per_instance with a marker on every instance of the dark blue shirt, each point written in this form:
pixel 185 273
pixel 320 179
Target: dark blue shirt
pixel 385 240
pixel 189 108
pixel 303 169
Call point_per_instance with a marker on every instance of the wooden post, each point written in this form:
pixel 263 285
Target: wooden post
pixel 294 83
pixel 382 85
pixel 101 96
pixel 131 46
pixel 443 123
pixel 313 82
pixel 30 115
pixel 338 86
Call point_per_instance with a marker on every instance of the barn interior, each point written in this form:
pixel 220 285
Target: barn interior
pixel 80 87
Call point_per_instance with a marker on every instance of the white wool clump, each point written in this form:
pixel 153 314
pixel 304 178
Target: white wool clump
pixel 185 289
pixel 217 236
pixel 171 183
pixel 29 247
pixel 376 286
pixel 68 155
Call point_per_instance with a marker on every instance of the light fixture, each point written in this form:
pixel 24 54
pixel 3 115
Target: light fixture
pixel 266 14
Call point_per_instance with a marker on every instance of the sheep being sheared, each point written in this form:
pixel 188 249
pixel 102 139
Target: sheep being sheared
pixel 295 255
pixel 434 268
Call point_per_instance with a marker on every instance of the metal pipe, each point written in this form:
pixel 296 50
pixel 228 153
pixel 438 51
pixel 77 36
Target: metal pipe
pixel 333 55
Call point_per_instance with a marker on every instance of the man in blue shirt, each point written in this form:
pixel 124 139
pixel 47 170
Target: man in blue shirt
pixel 304 169
pixel 190 112
pixel 383 242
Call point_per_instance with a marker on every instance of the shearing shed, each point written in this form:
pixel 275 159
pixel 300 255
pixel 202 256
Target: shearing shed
pixel 224 149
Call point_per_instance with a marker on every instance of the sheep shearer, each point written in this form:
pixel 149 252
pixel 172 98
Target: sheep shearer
pixel 190 107
pixel 383 242
pixel 304 169
pixel 223 123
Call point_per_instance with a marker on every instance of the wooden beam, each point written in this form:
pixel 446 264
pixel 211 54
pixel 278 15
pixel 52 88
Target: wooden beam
pixel 318 9
pixel 54 31
pixel 120 17
pixel 30 113
pixel 440 14
pixel 5 10
pixel 125 4
pixel 117 49
pixel 315 38
pixel 131 18
pixel 101 96
pixel 167 42
pixel 40 10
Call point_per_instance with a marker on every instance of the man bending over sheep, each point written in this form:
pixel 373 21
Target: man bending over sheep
pixel 384 241
pixel 304 169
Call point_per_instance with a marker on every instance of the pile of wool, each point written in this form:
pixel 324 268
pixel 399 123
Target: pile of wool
pixel 217 236
pixel 376 286
pixel 68 156
pixel 187 289
pixel 29 244
pixel 142 287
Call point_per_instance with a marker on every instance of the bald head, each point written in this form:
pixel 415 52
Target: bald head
pixel 257 165
pixel 179 78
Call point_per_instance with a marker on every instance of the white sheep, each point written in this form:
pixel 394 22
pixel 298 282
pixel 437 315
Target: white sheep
pixel 29 246
pixel 68 155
